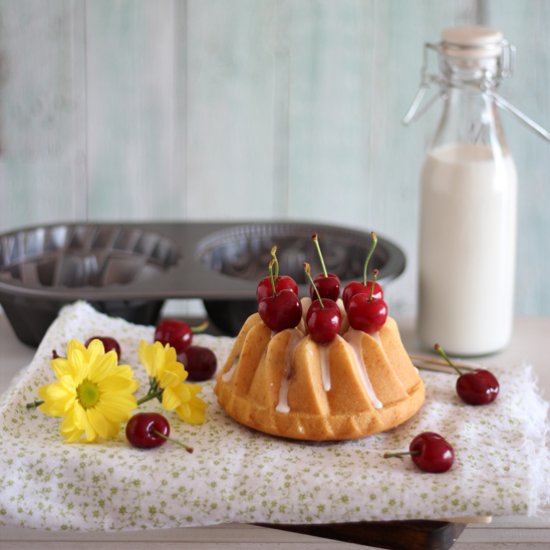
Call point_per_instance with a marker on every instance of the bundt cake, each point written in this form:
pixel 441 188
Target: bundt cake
pixel 288 385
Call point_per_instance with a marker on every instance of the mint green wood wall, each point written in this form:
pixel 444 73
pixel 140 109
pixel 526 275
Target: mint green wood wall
pixel 250 109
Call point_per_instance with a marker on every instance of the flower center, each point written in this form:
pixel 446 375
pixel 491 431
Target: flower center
pixel 88 394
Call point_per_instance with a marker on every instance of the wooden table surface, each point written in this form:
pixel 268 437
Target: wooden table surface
pixel 529 344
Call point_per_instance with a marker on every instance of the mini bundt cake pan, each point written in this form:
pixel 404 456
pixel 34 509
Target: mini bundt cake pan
pixel 130 269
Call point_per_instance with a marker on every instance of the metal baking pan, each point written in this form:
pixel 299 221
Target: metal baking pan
pixel 130 269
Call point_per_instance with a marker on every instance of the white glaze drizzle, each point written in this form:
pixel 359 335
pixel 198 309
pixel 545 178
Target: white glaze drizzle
pixel 226 377
pixel 353 338
pixel 282 405
pixel 325 366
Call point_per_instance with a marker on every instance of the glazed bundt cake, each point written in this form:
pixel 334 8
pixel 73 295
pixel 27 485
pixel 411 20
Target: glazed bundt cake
pixel 288 385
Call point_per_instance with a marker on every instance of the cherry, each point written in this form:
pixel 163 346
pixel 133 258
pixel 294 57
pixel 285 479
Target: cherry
pixel 366 313
pixel 281 310
pixel 264 288
pixel 281 283
pixel 430 452
pixel 108 344
pixel 176 333
pixel 323 318
pixel 356 287
pixel 477 387
pixel 327 284
pixel 199 362
pixel 148 430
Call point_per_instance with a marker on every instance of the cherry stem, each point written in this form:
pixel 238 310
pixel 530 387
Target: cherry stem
pixel 34 405
pixel 272 278
pixel 441 352
pixel 369 256
pixel 374 277
pixel 401 454
pixel 320 254
pixel 307 269
pixel 200 328
pixel 274 256
pixel 160 434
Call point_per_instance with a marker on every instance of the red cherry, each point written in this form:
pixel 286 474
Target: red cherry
pixel 273 282
pixel 477 387
pixel 108 344
pixel 328 286
pixel 147 430
pixel 365 286
pixel 431 452
pixel 366 314
pixel 281 311
pixel 199 362
pixel 176 333
pixel 357 287
pixel 323 320
pixel 265 288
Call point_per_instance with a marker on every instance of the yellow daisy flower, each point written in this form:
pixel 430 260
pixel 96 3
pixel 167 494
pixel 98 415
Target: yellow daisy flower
pixel 93 394
pixel 169 376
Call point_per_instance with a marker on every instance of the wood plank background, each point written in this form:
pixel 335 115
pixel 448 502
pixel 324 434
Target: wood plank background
pixel 251 109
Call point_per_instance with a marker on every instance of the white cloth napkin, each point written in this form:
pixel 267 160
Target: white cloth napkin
pixel 237 475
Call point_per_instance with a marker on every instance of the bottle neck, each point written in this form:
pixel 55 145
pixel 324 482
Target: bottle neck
pixel 470 115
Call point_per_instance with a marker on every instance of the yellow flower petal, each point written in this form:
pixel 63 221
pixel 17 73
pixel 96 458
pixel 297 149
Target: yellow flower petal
pixel 93 394
pixel 60 367
pixel 144 354
pixel 101 424
pixel 171 375
pixel 192 412
pixel 170 399
pixel 103 366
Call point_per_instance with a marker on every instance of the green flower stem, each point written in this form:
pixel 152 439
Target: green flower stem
pixel 35 404
pixel 148 397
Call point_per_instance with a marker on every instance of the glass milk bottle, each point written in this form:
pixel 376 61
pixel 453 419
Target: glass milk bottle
pixel 467 239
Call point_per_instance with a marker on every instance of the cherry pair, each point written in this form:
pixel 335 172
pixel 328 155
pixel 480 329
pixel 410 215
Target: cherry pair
pixel 364 301
pixel 199 362
pixel 279 305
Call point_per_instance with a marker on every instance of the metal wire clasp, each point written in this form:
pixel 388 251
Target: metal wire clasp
pixel 426 80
